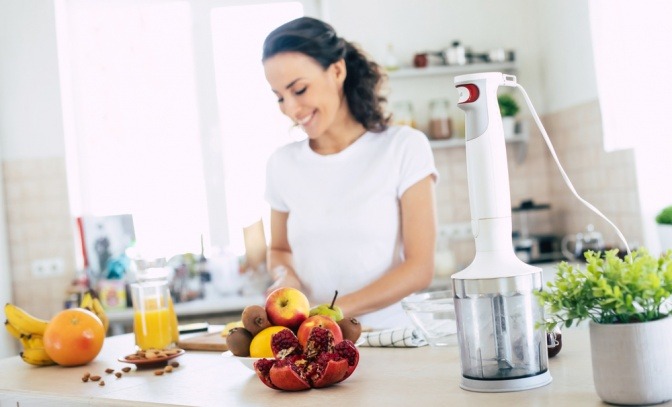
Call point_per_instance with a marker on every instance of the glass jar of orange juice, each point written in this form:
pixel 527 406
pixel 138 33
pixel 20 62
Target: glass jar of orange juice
pixel 154 319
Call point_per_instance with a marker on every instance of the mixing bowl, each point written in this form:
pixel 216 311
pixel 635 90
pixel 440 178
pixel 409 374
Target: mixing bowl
pixel 433 313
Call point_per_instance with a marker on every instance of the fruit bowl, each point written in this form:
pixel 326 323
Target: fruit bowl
pixel 248 362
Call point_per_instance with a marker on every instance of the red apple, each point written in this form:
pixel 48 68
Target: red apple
pixel 287 307
pixel 323 322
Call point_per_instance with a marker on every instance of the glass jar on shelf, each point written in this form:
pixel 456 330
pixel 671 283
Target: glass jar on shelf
pixel 402 114
pixel 440 123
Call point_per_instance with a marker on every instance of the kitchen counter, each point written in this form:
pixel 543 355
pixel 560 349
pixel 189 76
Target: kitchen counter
pixel 385 377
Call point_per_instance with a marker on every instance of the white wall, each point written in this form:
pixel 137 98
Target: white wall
pixel 432 25
pixel 566 55
pixel 7 343
pixel 31 123
pixel 30 114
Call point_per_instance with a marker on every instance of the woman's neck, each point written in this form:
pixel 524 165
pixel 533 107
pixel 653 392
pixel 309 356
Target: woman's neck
pixel 339 137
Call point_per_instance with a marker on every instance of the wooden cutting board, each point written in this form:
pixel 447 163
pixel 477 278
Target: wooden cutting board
pixel 212 341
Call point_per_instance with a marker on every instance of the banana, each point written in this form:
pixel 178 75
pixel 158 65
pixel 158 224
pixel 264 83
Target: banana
pixel 16 334
pixel 24 322
pixel 12 330
pixel 37 357
pixel 98 309
pixel 87 301
pixel 33 342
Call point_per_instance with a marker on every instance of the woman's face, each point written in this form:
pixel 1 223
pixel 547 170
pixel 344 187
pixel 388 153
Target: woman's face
pixel 308 94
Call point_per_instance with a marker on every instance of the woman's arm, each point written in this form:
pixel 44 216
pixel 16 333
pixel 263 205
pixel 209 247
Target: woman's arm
pixel 279 262
pixel 418 226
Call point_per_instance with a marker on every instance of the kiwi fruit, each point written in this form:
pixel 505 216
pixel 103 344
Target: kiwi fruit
pixel 238 341
pixel 255 319
pixel 351 328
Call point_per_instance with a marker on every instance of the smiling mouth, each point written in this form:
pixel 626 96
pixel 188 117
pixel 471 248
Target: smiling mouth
pixel 305 120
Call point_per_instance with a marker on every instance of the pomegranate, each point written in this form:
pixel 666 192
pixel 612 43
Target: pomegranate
pixel 320 364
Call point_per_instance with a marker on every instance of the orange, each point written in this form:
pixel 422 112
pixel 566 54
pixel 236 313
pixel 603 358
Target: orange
pixel 260 347
pixel 74 337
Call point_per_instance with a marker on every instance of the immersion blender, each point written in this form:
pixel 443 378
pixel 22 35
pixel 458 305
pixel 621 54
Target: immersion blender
pixel 502 344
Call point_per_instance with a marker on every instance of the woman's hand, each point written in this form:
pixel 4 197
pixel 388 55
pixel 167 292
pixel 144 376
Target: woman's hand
pixel 280 262
pixel 282 278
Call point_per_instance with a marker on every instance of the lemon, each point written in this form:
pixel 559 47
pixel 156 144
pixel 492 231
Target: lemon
pixel 260 347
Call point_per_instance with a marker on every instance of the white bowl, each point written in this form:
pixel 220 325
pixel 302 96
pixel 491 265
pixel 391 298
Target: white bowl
pixel 433 313
pixel 246 361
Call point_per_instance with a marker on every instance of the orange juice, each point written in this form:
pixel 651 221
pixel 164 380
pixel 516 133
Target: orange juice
pixel 153 328
pixel 174 328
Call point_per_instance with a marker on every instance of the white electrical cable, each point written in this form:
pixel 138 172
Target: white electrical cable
pixel 562 171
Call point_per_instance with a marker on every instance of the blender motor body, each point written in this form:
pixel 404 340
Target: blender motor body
pixel 502 346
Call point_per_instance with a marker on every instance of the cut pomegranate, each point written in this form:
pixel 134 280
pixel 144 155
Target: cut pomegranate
pixel 284 344
pixel 329 368
pixel 320 341
pixel 287 376
pixel 320 365
pixel 347 350
pixel 263 369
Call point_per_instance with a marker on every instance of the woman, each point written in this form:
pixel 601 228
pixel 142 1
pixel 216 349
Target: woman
pixel 353 206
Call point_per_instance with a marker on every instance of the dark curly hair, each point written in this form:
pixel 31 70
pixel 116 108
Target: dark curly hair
pixel 319 41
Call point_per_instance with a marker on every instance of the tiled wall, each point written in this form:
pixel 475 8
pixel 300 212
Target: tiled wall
pixel 607 180
pixel 39 226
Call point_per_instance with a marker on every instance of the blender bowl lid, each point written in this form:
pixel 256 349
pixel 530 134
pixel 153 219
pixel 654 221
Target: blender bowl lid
pixel 507 286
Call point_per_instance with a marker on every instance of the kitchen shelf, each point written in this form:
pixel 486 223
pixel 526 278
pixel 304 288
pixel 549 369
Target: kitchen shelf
pixel 518 141
pixel 507 67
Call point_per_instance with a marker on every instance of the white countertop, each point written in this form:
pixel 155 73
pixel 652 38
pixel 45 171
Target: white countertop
pixel 385 377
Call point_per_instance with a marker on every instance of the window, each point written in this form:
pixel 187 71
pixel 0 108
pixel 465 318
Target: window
pixel 248 109
pixel 162 104
pixel 631 69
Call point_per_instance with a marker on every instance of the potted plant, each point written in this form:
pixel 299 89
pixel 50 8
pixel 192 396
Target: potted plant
pixel 664 221
pixel 508 107
pixel 627 303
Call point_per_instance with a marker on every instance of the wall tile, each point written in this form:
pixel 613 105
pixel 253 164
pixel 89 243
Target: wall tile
pixel 39 226
pixel 607 180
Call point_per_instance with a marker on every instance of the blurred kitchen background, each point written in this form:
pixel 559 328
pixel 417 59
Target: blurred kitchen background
pixel 159 110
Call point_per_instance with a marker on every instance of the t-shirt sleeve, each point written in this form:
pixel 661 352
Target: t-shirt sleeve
pixel 417 161
pixel 273 178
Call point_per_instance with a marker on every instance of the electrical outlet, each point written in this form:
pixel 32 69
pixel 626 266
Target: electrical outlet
pixel 44 268
pixel 456 231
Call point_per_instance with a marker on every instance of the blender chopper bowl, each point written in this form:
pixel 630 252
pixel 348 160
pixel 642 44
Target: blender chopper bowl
pixel 502 343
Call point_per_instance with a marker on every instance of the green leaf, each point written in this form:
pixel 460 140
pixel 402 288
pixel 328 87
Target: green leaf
pixel 609 289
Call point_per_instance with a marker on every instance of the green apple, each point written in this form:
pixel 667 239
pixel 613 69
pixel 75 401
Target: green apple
pixel 330 310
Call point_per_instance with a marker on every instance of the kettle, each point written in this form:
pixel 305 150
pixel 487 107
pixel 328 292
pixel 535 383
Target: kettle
pixel 573 246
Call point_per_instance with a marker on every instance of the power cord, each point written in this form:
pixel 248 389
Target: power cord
pixel 510 80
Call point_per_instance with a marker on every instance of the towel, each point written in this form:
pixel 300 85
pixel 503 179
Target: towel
pixel 392 338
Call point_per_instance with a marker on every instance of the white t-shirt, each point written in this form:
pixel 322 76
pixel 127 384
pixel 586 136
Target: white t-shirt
pixel 344 211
